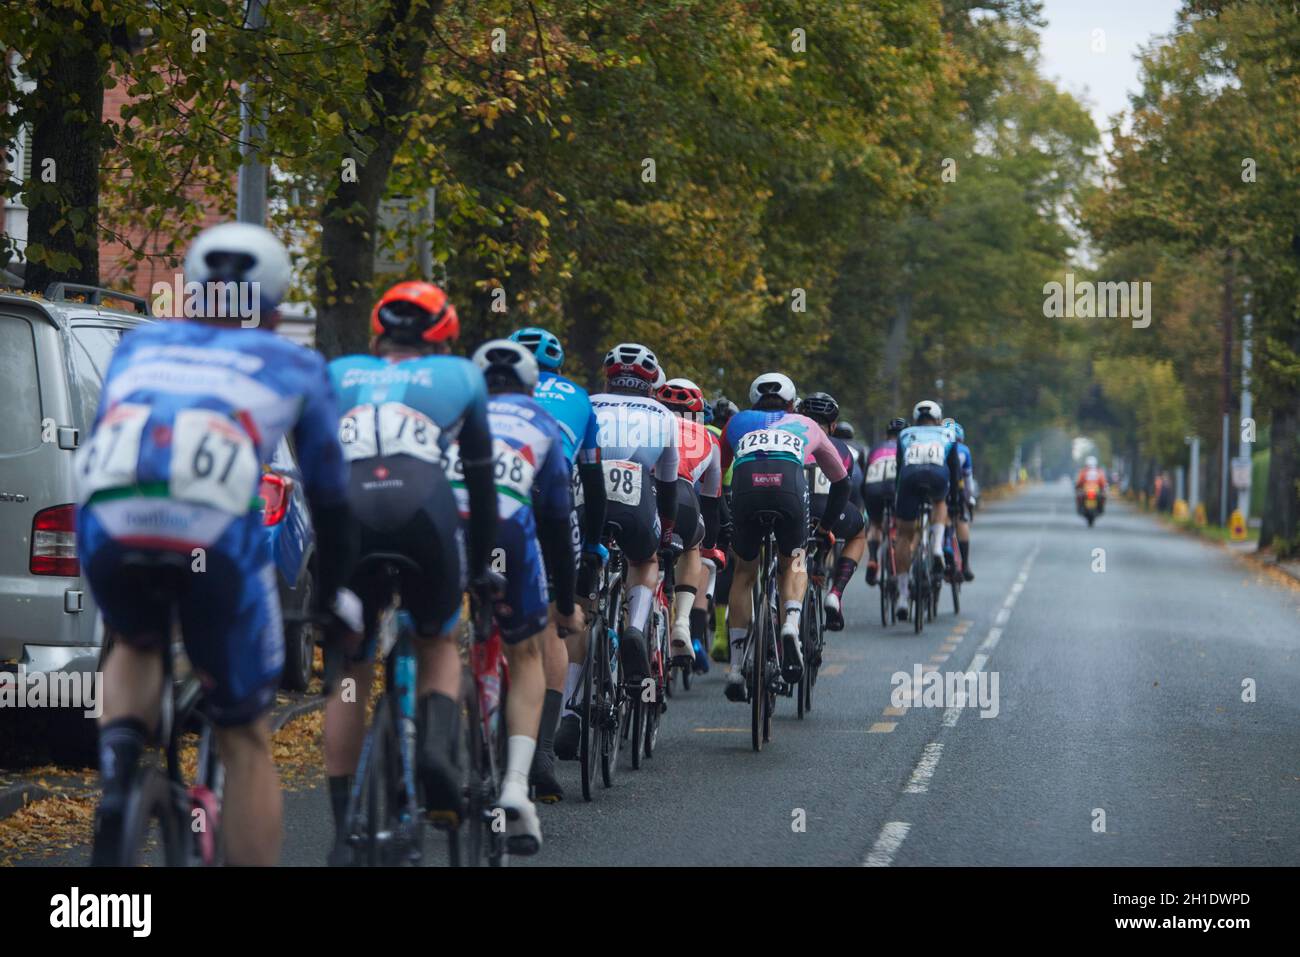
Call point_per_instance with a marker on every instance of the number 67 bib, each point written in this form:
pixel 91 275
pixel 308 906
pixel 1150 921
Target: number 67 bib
pixel 213 461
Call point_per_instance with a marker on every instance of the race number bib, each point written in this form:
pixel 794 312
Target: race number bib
pixel 882 469
pixel 357 433
pixel 407 431
pixel 213 461
pixel 924 453
pixel 771 440
pixel 821 484
pixel 623 481
pixel 511 472
pixel 109 459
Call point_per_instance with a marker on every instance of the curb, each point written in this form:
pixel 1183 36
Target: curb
pixel 17 796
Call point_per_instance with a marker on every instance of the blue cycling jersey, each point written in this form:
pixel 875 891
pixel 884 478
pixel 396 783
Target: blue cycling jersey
pixel 189 414
pixel 964 453
pixel 568 403
pixel 413 407
pixel 531 470
pixel 925 445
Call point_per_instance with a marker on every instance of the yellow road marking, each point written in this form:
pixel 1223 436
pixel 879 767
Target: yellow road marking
pixel 882 727
pixel 830 671
pixel 938 657
pixel 926 669
pixel 893 712
pixel 721 730
pixel 948 648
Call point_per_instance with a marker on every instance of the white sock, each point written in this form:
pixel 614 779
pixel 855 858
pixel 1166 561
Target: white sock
pixel 713 579
pixel 793 612
pixel 639 599
pixel 519 760
pixel 904 584
pixel 571 686
pixel 683 602
pixel 938 540
pixel 737 636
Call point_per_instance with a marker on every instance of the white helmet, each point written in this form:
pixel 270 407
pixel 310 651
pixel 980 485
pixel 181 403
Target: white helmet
pixel 1090 461
pixel 660 379
pixel 927 407
pixel 238 253
pixel 506 356
pixel 771 383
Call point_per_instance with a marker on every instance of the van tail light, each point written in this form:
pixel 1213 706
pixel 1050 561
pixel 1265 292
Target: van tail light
pixel 275 492
pixel 54 542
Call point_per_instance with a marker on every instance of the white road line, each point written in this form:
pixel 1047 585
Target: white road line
pixel 924 770
pixel 887 845
pixel 1004 614
pixel 991 640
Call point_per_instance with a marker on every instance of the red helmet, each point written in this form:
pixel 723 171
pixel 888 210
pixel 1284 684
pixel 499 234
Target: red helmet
pixel 631 359
pixel 682 394
pixel 415 312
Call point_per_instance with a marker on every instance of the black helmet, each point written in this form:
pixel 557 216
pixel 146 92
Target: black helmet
pixel 895 426
pixel 723 410
pixel 820 407
pixel 843 430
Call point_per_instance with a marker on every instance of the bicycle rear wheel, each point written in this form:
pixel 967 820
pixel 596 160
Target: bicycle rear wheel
pixel 757 671
pixel 152 809
pixel 589 744
pixel 468 851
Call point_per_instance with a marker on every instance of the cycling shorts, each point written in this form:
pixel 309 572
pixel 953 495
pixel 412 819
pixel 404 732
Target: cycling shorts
pixel 404 507
pixel 769 485
pixel 228 605
pixel 525 610
pixel 637 529
pixel 876 496
pixel 916 482
pixel 690 524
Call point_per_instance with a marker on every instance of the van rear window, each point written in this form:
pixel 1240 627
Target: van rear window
pixel 20 393
pixel 90 358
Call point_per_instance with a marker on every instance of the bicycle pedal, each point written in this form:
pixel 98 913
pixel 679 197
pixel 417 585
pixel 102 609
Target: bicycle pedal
pixel 443 820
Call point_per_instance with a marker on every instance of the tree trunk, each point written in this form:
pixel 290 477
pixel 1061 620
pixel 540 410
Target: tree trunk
pixel 67 109
pixel 345 277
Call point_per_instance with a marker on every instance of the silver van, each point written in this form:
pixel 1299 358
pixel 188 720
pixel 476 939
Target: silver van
pixel 53 356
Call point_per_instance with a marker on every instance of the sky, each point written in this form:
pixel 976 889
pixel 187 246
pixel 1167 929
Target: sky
pixel 1103 79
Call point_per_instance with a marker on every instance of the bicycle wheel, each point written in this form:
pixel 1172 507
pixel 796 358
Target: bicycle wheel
pixel 589 743
pixel 769 694
pixel 469 851
pixel 914 598
pixel 956 596
pixel 152 809
pixel 758 667
pixel 885 603
pixel 610 710
pixel 806 628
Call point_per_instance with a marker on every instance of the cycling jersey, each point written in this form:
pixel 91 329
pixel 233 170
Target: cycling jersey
pixel 849 522
pixel 882 463
pixel 699 457
pixel 534 501
pixel 638 446
pixel 189 415
pixel 928 466
pixel 570 407
pixel 758 435
pixel 726 473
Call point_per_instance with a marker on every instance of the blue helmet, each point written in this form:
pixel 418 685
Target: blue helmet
pixel 542 344
pixel 960 432
pixel 708 412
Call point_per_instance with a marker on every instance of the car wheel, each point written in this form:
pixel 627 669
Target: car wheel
pixel 300 644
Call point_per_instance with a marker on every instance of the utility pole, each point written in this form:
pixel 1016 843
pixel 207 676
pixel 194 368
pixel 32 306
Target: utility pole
pixel 1194 473
pixel 251 203
pixel 1243 495
pixel 1225 401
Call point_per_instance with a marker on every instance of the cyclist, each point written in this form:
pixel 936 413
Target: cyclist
pixel 699 509
pixel 399 410
pixel 533 480
pixel 190 413
pixel 568 403
pixel 638 450
pixel 720 577
pixel 959 502
pixel 848 527
pixel 770 446
pixel 927 467
pixel 878 490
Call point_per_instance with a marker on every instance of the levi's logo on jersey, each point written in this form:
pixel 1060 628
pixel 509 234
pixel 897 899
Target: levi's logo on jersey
pixel 765 479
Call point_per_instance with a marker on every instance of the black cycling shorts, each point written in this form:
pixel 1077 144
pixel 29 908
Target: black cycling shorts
pixel 405 507
pixel 876 497
pixel 769 485
pixel 916 482
pixel 636 527
pixel 690 525
pixel 850 524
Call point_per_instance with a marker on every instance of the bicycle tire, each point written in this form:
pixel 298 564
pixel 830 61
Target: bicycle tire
pixel 153 799
pixel 758 653
pixel 613 710
pixel 956 596
pixel 469 853
pixel 589 743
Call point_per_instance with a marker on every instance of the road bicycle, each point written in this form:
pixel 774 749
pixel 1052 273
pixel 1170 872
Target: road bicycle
pixel 763 661
pixel 650 700
pixel 185 817
pixel 600 700
pixel 922 597
pixel 812 620
pixel 887 576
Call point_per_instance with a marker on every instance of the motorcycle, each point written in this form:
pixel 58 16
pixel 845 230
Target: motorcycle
pixel 1091 502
